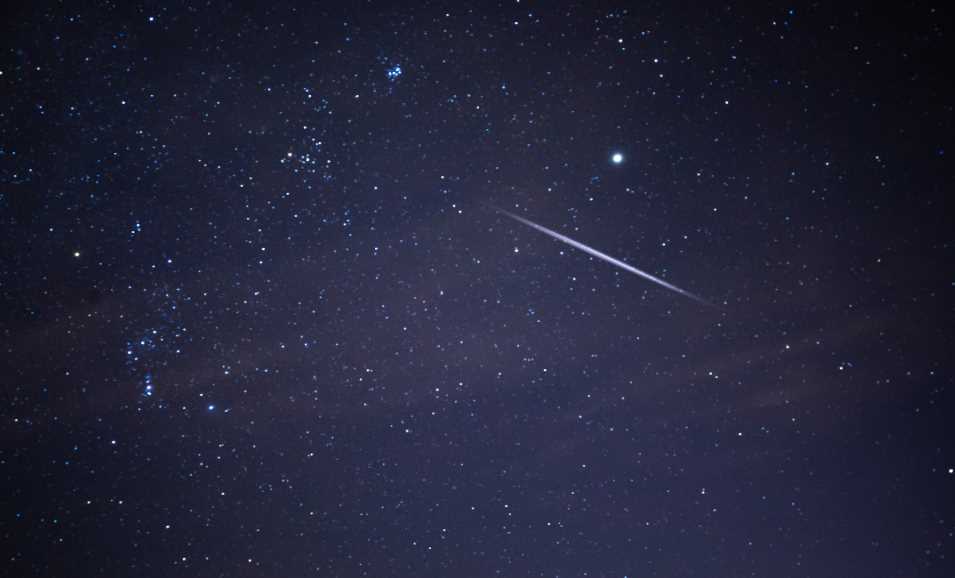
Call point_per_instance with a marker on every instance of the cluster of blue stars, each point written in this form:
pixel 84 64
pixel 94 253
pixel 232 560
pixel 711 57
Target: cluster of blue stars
pixel 148 387
pixel 152 348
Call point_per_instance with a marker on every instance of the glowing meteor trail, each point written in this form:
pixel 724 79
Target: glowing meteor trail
pixel 603 256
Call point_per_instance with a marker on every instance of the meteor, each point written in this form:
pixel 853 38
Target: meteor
pixel 602 256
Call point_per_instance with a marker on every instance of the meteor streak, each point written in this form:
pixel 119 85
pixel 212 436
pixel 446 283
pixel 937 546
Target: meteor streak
pixel 603 256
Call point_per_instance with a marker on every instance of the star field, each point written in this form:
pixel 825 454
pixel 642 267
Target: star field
pixel 271 305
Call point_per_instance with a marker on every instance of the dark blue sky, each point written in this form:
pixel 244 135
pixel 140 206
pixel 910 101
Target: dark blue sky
pixel 260 317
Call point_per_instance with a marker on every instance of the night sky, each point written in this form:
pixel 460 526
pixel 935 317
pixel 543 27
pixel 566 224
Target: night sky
pixel 268 307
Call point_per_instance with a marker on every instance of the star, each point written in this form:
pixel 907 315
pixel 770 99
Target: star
pixel 616 158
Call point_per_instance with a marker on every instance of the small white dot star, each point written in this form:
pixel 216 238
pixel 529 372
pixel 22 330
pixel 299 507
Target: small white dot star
pixel 617 158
